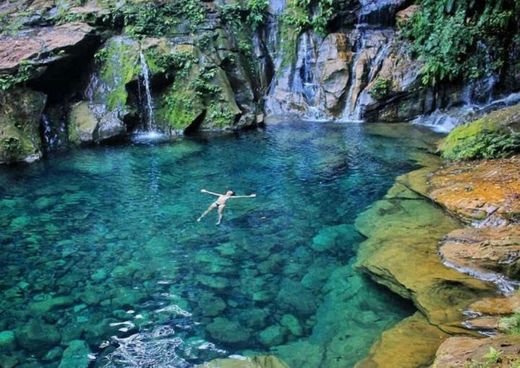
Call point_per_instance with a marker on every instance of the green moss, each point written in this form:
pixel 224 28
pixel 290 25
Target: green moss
pixel 181 105
pixel 201 89
pixel 20 112
pixel 511 324
pixel 492 136
pixel 120 65
pixel 381 88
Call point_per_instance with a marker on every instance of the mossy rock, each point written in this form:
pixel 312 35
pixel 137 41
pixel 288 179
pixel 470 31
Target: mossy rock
pixel 495 135
pixel 201 96
pixel 20 114
pixel 82 124
pixel 119 65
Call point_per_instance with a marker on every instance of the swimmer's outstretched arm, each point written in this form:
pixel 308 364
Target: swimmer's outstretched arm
pixel 213 193
pixel 247 196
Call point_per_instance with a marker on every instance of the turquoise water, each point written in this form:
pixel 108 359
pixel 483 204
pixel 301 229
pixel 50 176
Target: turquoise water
pixel 101 247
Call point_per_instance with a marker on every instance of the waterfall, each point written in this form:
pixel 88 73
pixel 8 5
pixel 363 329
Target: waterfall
pixel 52 133
pixel 444 120
pixel 148 101
pixel 372 46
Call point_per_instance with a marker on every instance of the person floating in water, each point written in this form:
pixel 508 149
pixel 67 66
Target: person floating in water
pixel 220 203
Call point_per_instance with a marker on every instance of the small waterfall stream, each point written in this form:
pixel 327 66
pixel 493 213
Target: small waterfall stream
pixel 149 123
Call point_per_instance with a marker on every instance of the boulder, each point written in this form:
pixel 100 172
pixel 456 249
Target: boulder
pixel 483 192
pixel 403 16
pixel 495 135
pixel 461 352
pixel 93 124
pixel 272 335
pixel 201 97
pixel 338 237
pixel 75 355
pixel 37 336
pixel 295 298
pixel 483 250
pixel 411 343
pixel 227 331
pixel 261 361
pixel 20 115
pixel 49 304
pixel 41 46
pixel 7 341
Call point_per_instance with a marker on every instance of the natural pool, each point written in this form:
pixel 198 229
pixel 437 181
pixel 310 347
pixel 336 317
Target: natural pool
pixel 100 247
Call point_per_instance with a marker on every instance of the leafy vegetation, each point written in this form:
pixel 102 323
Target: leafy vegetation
pixel 511 324
pixel 381 88
pixel 299 16
pixel 22 75
pixel 489 360
pixel 462 39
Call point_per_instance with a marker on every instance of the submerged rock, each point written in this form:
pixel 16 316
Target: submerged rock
pixel 267 361
pixel 37 336
pixel 7 340
pixel 335 238
pixel 272 335
pixel 227 331
pixel 76 355
pixel 20 114
pixel 411 343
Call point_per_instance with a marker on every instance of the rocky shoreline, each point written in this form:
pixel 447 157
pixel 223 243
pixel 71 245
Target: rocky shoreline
pixel 446 236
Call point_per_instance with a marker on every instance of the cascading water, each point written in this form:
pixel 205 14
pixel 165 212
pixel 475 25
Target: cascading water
pixel 53 133
pixel 149 132
pixel 148 101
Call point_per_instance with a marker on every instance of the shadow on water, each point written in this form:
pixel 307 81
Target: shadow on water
pixel 101 246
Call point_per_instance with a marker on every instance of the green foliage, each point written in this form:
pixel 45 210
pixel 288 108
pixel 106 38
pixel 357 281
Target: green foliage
pixel 489 359
pixel 511 324
pixel 381 88
pixel 10 24
pixel 462 39
pixel 23 74
pixel 299 16
pixel 485 145
pixel 203 84
pixel 257 12
pixel 219 115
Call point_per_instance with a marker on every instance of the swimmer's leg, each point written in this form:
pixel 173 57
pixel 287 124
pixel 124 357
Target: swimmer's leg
pixel 220 210
pixel 212 206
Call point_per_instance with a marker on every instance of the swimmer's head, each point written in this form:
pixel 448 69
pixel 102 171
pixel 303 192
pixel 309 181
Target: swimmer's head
pixel 230 193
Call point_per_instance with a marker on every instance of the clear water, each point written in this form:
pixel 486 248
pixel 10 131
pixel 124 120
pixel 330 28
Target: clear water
pixel 102 245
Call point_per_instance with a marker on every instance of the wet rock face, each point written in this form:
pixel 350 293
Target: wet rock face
pixel 458 352
pixel 318 78
pixel 334 57
pixel 482 193
pixel 20 113
pixel 405 227
pixel 484 249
